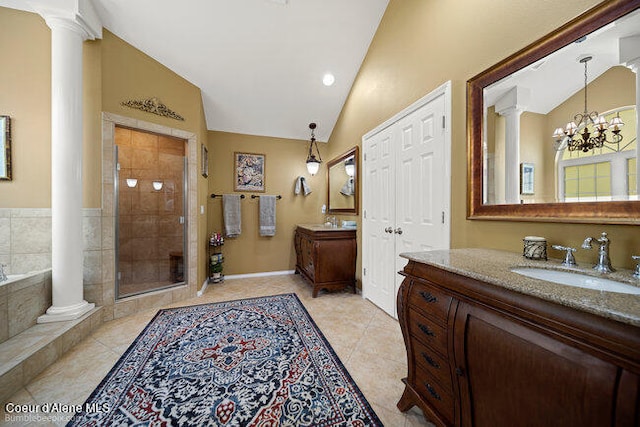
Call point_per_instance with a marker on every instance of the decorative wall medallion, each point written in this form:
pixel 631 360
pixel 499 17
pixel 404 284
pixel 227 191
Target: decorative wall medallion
pixel 153 105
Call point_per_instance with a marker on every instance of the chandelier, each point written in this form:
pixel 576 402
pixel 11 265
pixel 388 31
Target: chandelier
pixel 313 163
pixel 573 138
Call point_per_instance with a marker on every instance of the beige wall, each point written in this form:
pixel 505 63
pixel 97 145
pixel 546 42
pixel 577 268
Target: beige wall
pixel 127 73
pixel 25 95
pixel 285 161
pixel 113 71
pixel 420 45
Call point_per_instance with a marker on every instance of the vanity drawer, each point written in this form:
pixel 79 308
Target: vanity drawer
pixel 434 364
pixel 428 331
pixel 434 394
pixel 430 300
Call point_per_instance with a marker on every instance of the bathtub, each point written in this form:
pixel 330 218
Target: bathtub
pixel 13 278
pixel 23 298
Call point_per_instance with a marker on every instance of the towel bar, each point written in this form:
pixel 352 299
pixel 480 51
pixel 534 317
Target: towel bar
pixel 254 196
pixel 213 195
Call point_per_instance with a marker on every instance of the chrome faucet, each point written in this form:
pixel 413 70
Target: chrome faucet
pixel 3 275
pixel 604 263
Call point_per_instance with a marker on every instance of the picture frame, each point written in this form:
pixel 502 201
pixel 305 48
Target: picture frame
pixel 527 175
pixel 5 148
pixel 249 172
pixel 205 161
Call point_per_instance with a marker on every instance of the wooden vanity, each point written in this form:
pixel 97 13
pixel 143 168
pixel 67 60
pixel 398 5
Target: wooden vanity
pixel 326 256
pixel 488 347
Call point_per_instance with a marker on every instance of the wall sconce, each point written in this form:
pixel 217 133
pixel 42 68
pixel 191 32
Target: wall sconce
pixel 313 163
pixel 157 185
pixel 350 167
pixel 132 182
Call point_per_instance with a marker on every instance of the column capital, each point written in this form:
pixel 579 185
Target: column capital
pixel 629 51
pixel 75 15
pixel 514 101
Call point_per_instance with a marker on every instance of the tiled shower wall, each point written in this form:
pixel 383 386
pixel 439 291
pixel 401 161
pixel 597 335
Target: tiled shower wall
pixel 149 220
pixel 134 304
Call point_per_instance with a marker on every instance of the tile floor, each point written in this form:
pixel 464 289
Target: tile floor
pixel 367 340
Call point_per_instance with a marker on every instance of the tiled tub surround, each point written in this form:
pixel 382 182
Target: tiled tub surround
pixel 26 355
pixel 25 246
pixel 22 300
pixel 494 267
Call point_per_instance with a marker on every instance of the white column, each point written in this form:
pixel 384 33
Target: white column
pixel 629 49
pixel 511 105
pixel 512 155
pixel 68 32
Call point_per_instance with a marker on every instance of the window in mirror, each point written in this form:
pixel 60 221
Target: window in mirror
pixel 601 174
pixel 5 148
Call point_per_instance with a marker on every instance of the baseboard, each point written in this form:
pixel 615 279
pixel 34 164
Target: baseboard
pixel 204 287
pixel 264 274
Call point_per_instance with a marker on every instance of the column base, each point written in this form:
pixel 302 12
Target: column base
pixel 61 314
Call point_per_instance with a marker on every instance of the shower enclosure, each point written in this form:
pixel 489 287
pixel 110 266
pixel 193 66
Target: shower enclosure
pixel 150 189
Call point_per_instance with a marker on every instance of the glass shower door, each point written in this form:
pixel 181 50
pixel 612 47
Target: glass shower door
pixel 150 188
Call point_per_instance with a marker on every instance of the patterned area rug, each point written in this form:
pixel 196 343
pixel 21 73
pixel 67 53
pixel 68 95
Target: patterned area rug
pixel 252 362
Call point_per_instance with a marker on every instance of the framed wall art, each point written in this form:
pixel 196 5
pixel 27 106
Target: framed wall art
pixel 526 178
pixel 249 172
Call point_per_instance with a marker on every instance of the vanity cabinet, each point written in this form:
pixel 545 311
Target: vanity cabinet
pixel 482 355
pixel 326 257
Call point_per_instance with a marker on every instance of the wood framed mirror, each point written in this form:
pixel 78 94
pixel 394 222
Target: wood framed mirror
pixel 342 183
pixel 550 202
pixel 5 148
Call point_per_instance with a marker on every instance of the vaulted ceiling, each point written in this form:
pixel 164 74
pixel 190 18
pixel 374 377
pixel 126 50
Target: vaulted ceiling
pixel 258 63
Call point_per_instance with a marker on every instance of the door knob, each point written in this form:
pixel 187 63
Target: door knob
pixel 398 230
pixel 388 230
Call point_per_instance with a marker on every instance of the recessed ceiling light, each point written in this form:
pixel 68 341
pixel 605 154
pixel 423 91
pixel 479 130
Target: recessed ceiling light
pixel 328 79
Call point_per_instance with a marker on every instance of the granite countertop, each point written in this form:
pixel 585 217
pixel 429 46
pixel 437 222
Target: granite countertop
pixel 322 227
pixel 494 267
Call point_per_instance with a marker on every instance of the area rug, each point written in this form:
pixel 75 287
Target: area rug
pixel 252 362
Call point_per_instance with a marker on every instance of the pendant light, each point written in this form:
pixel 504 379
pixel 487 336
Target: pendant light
pixel 313 163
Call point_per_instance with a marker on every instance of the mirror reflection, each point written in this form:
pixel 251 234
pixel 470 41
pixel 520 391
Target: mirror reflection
pixel 342 187
pixel 564 129
pixel 5 148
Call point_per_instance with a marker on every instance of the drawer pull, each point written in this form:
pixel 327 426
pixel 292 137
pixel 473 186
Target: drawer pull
pixel 428 297
pixel 426 330
pixel 430 361
pixel 432 391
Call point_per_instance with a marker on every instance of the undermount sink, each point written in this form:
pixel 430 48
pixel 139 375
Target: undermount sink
pixel 577 279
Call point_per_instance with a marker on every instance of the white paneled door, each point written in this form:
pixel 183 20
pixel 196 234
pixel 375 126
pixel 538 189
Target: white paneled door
pixel 406 196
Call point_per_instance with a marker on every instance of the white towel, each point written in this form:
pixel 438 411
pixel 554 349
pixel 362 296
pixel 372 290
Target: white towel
pixel 267 215
pixel 231 214
pixel 301 184
pixel 347 188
